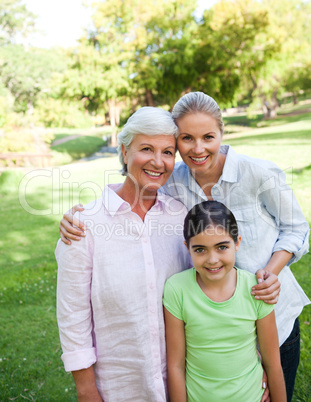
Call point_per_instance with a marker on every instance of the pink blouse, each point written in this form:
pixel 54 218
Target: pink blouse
pixel 109 295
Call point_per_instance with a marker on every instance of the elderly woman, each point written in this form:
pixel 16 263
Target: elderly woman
pixel 273 228
pixel 109 295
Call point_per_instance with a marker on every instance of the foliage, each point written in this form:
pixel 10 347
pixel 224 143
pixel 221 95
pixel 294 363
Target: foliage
pixel 150 52
pixel 286 69
pixel 230 45
pixel 94 80
pixel 85 80
pixel 17 140
pixel 53 112
pixel 160 41
pixel 26 73
pixel 6 104
pixel 176 41
pixel 25 141
pixel 126 54
pixel 15 20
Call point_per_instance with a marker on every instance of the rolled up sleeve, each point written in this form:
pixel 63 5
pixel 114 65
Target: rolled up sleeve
pixel 74 310
pixel 282 204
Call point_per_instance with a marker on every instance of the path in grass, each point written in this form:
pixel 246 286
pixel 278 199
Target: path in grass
pixel 65 139
pixel 67 149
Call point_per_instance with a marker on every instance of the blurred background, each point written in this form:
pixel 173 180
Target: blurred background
pixel 69 65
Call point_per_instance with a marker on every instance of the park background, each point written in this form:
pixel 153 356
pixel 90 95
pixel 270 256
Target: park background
pixel 62 106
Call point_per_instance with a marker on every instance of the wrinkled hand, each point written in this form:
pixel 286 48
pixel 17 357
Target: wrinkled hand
pixel 268 287
pixel 67 230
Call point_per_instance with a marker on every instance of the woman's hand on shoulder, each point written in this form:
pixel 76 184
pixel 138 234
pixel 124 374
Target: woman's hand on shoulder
pixel 268 287
pixel 67 230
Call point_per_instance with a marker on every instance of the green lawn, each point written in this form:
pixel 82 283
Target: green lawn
pixel 80 147
pixel 30 365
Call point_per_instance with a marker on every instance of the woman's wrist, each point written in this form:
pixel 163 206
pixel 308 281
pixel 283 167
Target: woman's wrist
pixel 278 261
pixel 86 385
pixel 88 393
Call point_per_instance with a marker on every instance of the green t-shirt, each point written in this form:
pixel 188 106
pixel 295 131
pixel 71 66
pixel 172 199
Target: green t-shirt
pixel 221 359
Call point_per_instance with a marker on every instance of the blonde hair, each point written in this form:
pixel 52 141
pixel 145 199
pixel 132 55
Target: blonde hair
pixel 198 102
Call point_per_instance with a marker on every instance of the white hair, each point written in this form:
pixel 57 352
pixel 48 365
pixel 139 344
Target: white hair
pixel 198 102
pixel 148 121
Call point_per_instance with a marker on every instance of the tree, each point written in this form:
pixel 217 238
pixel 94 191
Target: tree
pixel 141 36
pixel 176 43
pixel 286 69
pixel 230 46
pixel 125 55
pixel 15 20
pixel 26 73
pixel 164 56
pixel 96 81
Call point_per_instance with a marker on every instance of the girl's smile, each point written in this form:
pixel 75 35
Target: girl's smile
pixel 213 255
pixel 215 270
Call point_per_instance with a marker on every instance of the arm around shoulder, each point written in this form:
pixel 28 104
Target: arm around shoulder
pixel 71 227
pixel 281 203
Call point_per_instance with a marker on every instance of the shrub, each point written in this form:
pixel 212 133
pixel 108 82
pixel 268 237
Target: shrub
pixel 6 105
pixel 17 140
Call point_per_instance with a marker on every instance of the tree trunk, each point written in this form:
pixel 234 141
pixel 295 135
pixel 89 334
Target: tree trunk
pixel 273 112
pixel 30 108
pixel 269 107
pixel 253 79
pixel 149 98
pixel 265 108
pixel 274 105
pixel 114 117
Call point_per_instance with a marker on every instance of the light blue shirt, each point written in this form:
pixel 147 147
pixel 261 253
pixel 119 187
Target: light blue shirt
pixel 268 216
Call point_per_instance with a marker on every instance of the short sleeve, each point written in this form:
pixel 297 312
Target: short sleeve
pixel 259 307
pixel 172 300
pixel 263 309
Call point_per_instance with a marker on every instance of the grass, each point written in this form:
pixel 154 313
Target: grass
pixel 85 144
pixel 80 147
pixel 30 364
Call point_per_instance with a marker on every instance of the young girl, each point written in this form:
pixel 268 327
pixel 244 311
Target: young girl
pixel 212 322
